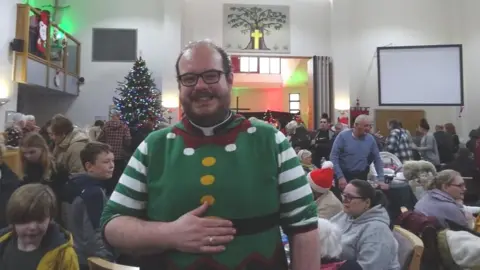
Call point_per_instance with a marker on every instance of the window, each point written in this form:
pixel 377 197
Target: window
pixel 263 65
pixel 269 65
pixel 274 65
pixel 294 103
pixel 249 64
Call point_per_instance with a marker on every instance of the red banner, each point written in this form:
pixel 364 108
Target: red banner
pixel 235 64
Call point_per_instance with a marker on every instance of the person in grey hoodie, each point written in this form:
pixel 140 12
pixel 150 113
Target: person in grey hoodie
pixel 365 226
pixel 440 201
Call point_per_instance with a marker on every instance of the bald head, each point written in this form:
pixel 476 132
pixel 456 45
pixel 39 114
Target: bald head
pixel 363 124
pixel 199 48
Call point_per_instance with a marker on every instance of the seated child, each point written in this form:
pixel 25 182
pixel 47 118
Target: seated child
pixel 85 201
pixel 33 241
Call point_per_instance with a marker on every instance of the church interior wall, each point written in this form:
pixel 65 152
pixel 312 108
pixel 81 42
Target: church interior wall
pixel 101 79
pixel 8 89
pixel 263 92
pixel 310 35
pixel 377 23
pixel 309 25
pixel 349 31
pixel 469 35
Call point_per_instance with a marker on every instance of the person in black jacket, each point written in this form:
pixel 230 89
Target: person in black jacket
pixel 466 166
pixel 444 144
pixel 472 142
pixel 322 143
pixel 450 129
pixel 141 133
pixel 9 182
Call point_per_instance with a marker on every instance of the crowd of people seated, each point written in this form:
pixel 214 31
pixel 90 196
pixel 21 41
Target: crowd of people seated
pixel 55 208
pixel 51 212
pixel 437 163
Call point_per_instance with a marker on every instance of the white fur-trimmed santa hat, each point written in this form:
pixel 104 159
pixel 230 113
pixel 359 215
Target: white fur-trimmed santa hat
pixel 321 180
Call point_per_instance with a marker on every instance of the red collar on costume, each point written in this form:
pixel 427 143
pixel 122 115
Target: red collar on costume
pixel 225 133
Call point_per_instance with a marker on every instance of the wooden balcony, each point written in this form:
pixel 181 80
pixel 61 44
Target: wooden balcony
pixel 49 59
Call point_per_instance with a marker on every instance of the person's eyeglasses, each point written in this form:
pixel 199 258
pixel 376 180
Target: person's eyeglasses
pixel 323 122
pixel 209 77
pixel 462 185
pixel 349 198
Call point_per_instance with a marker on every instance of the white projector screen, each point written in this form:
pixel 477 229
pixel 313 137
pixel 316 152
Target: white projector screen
pixel 420 75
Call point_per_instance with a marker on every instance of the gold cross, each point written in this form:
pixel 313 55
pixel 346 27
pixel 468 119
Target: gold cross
pixel 256 35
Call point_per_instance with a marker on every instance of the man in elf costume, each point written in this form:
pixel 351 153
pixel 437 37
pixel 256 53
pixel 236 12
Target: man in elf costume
pixel 211 192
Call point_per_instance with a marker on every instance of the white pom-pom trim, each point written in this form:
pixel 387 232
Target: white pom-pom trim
pixel 327 164
pixel 314 186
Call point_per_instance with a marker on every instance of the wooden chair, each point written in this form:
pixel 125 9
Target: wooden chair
pixel 410 248
pixel 101 264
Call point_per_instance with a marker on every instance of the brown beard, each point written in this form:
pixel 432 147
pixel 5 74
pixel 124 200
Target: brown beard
pixel 210 120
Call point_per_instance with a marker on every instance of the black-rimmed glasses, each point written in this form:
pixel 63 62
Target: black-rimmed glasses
pixel 462 185
pixel 209 77
pixel 349 198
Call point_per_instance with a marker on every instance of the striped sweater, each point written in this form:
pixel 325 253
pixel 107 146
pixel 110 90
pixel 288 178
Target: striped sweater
pixel 247 172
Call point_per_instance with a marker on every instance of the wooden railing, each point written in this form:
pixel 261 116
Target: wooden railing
pixel 45 43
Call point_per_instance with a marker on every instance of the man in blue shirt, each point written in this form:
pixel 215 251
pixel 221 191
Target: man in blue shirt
pixel 353 151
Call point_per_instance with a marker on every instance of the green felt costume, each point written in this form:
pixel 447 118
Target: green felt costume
pixel 246 171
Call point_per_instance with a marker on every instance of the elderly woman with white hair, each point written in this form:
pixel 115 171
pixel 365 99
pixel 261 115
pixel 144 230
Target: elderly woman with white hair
pixel 14 132
pixel 305 158
pixel 30 124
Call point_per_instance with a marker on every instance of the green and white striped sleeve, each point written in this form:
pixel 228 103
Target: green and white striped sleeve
pixel 298 211
pixel 130 195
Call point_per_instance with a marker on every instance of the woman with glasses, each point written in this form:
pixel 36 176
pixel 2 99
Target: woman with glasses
pixel 365 225
pixel 440 200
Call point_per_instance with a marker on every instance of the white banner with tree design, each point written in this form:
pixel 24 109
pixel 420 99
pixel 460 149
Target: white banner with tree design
pixel 256 28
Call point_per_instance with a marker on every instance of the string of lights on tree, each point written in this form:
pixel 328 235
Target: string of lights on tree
pixel 139 100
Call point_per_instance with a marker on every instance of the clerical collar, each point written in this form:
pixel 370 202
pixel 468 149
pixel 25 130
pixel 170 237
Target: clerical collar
pixel 210 131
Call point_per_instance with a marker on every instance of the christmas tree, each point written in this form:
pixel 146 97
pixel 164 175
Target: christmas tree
pixel 139 100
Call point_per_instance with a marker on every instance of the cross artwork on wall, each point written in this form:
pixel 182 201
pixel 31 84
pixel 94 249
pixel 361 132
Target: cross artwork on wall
pixel 256 28
pixel 237 108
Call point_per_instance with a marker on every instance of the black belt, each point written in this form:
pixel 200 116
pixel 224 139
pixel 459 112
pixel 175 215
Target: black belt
pixel 254 225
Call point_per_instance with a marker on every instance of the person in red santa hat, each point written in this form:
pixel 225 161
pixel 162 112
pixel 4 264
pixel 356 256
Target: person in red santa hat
pixel 321 181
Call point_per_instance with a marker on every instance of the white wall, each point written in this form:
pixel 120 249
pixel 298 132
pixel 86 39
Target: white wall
pixel 309 25
pixel 8 18
pixel 361 26
pixel 469 33
pixel 101 78
pixel 347 30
